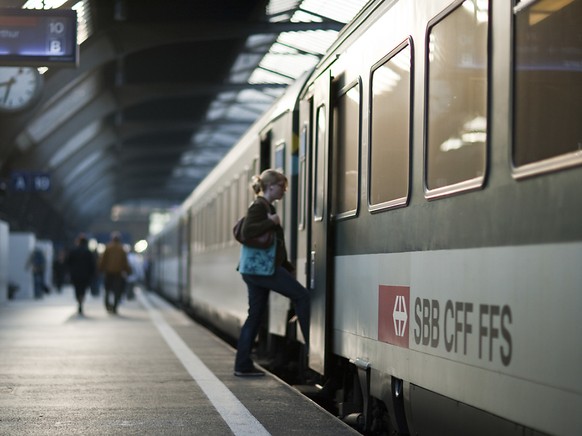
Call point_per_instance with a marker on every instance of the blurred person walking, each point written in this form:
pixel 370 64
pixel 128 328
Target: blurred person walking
pixel 37 263
pixel 136 275
pixel 81 264
pixel 115 268
pixel 60 270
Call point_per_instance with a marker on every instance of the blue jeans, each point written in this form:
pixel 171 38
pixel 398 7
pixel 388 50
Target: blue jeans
pixel 38 279
pixel 283 283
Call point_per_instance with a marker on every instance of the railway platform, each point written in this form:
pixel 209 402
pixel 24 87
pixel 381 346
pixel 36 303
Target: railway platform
pixel 149 370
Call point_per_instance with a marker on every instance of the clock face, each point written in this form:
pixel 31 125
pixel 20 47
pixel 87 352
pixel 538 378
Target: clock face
pixel 19 87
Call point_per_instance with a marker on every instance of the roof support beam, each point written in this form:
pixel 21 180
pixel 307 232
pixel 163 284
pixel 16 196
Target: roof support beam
pixel 128 95
pixel 132 37
pixel 132 129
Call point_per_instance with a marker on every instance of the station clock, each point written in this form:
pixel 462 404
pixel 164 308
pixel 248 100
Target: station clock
pixel 20 87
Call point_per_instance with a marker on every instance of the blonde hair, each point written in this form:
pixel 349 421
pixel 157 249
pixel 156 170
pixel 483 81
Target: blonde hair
pixel 259 183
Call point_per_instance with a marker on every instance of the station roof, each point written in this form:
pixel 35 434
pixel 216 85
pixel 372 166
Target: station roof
pixel 162 91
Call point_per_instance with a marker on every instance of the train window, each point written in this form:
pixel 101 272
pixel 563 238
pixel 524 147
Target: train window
pixel 243 194
pixel 280 157
pixel 251 172
pixel 203 226
pixel 225 214
pixel 213 228
pixel 390 123
pixel 320 164
pixel 456 129
pixel 199 232
pixel 346 153
pixel 210 225
pixel 204 229
pixel 234 207
pixel 280 166
pixel 302 178
pixel 280 151
pixel 194 232
pixel 220 217
pixel 547 86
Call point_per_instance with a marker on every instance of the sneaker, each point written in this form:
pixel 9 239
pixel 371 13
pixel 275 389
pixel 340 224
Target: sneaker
pixel 253 372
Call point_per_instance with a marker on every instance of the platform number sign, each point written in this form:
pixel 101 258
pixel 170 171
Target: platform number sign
pixel 30 182
pixel 38 37
pixel 41 182
pixel 56 37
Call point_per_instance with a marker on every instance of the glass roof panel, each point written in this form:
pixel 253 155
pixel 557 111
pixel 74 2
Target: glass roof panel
pixel 276 7
pixel 338 10
pixel 287 65
pixel 277 59
pixel 313 41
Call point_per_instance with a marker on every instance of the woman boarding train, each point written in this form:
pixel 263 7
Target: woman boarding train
pixel 278 275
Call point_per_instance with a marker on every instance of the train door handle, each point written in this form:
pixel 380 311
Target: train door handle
pixel 312 271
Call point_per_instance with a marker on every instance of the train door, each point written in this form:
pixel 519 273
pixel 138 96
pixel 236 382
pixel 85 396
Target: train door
pixel 264 163
pixel 265 151
pixel 321 260
pixel 303 191
pixel 279 306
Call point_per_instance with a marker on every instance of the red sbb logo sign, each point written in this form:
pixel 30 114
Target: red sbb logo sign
pixel 394 314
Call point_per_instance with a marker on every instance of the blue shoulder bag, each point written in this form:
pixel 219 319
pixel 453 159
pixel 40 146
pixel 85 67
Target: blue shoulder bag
pixel 258 261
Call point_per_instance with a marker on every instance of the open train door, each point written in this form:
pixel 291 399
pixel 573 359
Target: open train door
pixel 320 254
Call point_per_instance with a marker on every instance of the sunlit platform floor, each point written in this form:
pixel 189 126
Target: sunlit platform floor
pixel 149 370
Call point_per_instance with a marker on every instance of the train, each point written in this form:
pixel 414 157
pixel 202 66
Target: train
pixel 433 212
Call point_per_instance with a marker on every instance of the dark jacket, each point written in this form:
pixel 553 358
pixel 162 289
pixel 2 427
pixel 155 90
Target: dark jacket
pixel 257 222
pixel 81 264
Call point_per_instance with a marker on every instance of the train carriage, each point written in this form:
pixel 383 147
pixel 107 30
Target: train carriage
pixel 168 260
pixel 433 212
pixel 435 251
pixel 215 292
